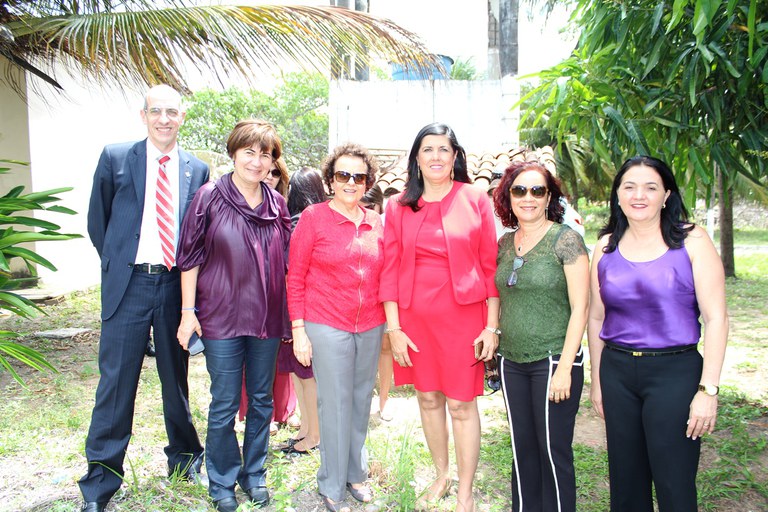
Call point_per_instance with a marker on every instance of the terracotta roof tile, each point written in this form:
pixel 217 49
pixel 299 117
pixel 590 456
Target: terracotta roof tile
pixel 485 168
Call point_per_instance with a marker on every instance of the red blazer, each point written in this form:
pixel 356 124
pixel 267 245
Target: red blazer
pixel 470 236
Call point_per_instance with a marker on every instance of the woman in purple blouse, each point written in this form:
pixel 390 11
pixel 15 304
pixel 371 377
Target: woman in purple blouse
pixel 653 275
pixel 233 253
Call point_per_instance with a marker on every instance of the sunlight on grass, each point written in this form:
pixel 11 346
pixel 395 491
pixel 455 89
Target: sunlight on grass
pixel 44 427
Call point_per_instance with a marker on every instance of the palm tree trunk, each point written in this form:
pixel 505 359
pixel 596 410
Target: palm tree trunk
pixel 509 49
pixel 362 72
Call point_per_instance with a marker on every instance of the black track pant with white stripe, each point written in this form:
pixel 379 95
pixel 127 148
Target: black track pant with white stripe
pixel 543 478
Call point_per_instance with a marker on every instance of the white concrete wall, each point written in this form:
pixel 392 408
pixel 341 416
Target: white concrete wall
pixel 14 145
pixel 67 134
pixel 388 115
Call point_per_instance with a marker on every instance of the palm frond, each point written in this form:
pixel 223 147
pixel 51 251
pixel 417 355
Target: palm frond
pixel 163 45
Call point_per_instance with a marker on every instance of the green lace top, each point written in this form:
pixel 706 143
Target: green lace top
pixel 535 312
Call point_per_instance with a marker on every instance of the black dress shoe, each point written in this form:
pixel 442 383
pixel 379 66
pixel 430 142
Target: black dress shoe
pixel 94 506
pixel 226 505
pixel 259 496
pixel 150 350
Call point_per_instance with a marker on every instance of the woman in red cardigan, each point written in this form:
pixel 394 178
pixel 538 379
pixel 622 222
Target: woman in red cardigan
pixel 440 300
pixel 335 263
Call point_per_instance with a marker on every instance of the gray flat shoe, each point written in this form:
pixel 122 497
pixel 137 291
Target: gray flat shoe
pixel 363 494
pixel 334 506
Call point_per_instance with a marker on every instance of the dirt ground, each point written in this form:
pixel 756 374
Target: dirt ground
pixel 21 477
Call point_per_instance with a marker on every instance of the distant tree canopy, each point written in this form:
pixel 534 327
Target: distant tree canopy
pixel 686 81
pixel 297 108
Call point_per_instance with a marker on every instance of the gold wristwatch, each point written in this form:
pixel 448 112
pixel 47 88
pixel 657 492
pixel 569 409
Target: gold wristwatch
pixel 709 389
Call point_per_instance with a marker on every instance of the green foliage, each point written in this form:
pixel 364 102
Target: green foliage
pixel 15 208
pixel 685 81
pixel 399 457
pixel 464 69
pixel 131 42
pixel 296 108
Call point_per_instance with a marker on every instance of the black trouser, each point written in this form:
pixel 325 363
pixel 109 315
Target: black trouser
pixel 151 300
pixel 543 477
pixel 646 402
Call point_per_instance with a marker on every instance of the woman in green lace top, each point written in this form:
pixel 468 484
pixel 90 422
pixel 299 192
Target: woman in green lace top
pixel 543 283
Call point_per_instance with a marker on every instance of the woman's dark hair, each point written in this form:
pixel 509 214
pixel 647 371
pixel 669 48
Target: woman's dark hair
pixel 374 197
pixel 414 186
pixel 674 217
pixel 282 184
pixel 306 188
pixel 503 204
pixel 350 149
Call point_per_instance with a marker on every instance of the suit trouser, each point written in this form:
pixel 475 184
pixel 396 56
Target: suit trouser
pixel 345 366
pixel 226 361
pixel 543 477
pixel 646 402
pixel 150 301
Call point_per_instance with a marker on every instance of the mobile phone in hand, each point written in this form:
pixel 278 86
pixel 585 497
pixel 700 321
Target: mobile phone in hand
pixel 195 345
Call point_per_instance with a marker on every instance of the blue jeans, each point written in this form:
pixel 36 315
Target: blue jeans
pixel 226 360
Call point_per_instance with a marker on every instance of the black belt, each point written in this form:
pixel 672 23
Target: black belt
pixel 650 353
pixel 148 268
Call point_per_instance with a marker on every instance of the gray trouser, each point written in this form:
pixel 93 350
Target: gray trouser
pixel 345 366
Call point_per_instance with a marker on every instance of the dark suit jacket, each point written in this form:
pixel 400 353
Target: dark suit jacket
pixel 116 208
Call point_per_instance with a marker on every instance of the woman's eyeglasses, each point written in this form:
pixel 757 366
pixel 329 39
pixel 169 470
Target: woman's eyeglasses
pixel 275 173
pixel 517 264
pixel 492 379
pixel 343 177
pixel 519 191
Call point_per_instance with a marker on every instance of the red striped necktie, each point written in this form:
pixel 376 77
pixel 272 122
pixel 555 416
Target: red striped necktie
pixel 166 223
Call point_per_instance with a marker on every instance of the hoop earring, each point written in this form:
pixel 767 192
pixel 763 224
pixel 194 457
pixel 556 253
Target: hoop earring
pixel 451 173
pixel 418 172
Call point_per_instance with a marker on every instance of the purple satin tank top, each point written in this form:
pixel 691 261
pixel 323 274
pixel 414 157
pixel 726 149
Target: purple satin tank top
pixel 649 304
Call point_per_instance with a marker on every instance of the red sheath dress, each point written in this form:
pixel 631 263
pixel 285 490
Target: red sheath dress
pixel 442 329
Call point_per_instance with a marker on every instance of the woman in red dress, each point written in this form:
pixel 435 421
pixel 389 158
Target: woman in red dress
pixel 440 300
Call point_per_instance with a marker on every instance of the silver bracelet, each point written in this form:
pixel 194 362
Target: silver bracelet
pixel 392 329
pixel 497 332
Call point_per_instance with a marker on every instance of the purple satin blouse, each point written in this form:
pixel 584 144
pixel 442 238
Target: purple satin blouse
pixel 242 254
pixel 649 304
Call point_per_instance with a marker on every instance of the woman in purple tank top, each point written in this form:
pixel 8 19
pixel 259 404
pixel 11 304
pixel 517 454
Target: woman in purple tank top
pixel 653 275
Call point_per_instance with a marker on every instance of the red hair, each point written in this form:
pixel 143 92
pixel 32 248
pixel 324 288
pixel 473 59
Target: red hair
pixel 502 203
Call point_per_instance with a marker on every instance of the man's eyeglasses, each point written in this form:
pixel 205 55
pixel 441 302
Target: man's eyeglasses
pixel 492 379
pixel 275 173
pixel 155 112
pixel 519 191
pixel 343 177
pixel 517 264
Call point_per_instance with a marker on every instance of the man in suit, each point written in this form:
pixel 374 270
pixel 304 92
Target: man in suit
pixel 140 193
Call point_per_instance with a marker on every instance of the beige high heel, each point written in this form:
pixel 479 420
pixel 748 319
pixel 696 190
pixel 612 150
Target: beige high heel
pixel 427 501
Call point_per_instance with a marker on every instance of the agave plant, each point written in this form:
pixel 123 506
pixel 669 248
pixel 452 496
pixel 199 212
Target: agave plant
pixel 145 42
pixel 12 205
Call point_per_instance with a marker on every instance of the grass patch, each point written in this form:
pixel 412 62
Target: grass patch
pixel 44 427
pixel 747 236
pixel 739 446
pixel 591 466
